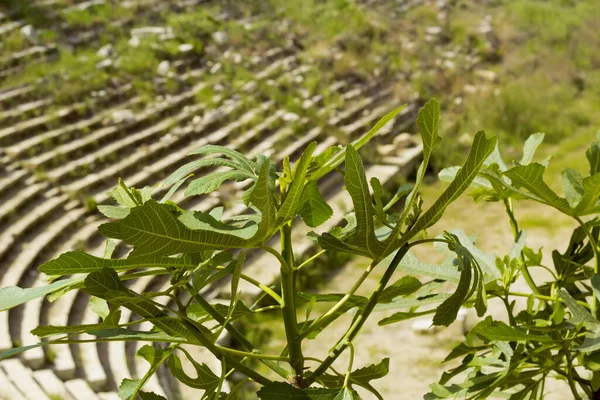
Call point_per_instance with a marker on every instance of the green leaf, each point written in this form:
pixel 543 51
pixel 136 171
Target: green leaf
pixel 530 177
pixel 174 188
pixel 313 209
pixel 347 394
pixel 116 212
pixel 595 281
pixel 189 168
pixel 403 287
pixel 213 181
pixel 293 197
pixel 155 357
pixel 578 312
pixel 107 285
pixel 330 242
pixel 447 312
pixel 481 149
pixel 356 183
pixel 281 390
pixel 99 307
pixel 428 122
pixel 572 184
pixel 591 194
pixel 127 388
pixel 491 330
pixel 530 146
pixel 241 161
pixel 79 262
pixel 412 265
pixel 377 194
pixel 150 396
pixel 12 296
pixel 403 316
pixel 205 379
pixel 593 156
pixel 153 229
pixel 262 198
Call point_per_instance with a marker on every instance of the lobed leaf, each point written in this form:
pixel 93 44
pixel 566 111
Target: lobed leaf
pixel 154 229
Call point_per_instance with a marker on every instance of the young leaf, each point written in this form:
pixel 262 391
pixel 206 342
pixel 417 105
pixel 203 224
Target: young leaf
pixel 78 262
pixel 281 390
pixel 241 161
pixel 403 316
pixel 492 330
pixel 578 312
pixel 99 307
pixel 447 312
pixel 213 181
pixel 116 212
pixel 530 177
pixel 291 202
pixel 187 169
pixel 12 296
pixel 481 149
pixel 262 198
pixel 428 122
pixel 356 183
pixel 313 209
pixel 153 229
pixel 593 156
pixel 205 380
pixel 530 146
pixel 591 194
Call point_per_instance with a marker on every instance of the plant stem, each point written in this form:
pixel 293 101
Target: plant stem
pixel 311 259
pixel 210 346
pixel 288 306
pixel 347 378
pixel 595 306
pixel 231 329
pixel 256 356
pixel 542 297
pixel 326 318
pixel 259 285
pixel 515 228
pixel 360 319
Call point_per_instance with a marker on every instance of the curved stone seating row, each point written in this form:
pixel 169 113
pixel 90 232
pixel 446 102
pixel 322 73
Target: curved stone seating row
pixel 17 134
pixel 18 382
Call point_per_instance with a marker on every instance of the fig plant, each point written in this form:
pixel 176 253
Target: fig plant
pixel 556 333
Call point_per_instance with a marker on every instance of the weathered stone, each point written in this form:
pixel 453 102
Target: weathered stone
pixel 104 64
pixel 220 37
pixel 163 68
pixel 185 47
pixel 486 75
pixel 121 116
pixel 105 51
pixel 30 33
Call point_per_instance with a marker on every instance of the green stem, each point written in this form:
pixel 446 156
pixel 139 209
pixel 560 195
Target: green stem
pixel 515 228
pixel 326 318
pixel 255 356
pixel 259 285
pixel 542 297
pixel 236 388
pixel 360 319
pixel 595 306
pixel 230 328
pixel 288 306
pixel 347 378
pixel 210 346
pixel 311 259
